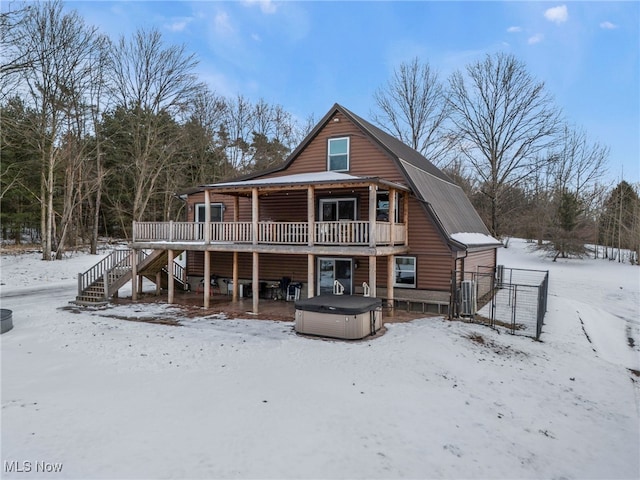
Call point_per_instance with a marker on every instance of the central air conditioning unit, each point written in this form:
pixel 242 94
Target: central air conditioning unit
pixel 468 302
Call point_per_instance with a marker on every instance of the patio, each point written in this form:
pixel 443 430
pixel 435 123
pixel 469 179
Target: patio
pixel 278 310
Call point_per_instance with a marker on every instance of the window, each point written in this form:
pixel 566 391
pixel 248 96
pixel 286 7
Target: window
pixel 338 158
pixel 217 210
pixel 405 272
pixel 334 209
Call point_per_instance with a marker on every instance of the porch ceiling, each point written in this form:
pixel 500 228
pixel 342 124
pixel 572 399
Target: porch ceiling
pixel 301 181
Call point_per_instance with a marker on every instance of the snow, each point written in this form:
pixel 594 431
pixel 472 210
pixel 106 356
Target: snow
pixel 474 238
pixel 298 178
pixel 238 398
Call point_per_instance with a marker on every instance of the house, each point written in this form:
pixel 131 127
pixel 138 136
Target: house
pixel 351 204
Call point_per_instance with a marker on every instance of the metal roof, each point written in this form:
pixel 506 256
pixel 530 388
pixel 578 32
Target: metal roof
pixel 444 201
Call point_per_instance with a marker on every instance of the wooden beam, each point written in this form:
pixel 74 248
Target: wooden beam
pixel 311 275
pixel 207 277
pixel 392 215
pixel 158 282
pixel 255 211
pixel 207 216
pixel 255 282
pixel 405 197
pixel 391 265
pixel 311 214
pixel 234 279
pixel 373 271
pixel 373 192
pixel 170 276
pixel 134 275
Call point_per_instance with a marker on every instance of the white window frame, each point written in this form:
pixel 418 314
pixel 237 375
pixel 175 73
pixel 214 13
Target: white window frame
pixel 329 156
pixel 398 270
pixel 198 206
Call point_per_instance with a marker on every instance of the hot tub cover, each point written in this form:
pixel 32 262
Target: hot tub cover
pixel 339 304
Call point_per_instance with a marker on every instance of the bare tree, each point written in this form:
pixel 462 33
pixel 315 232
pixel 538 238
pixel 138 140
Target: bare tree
pixel 57 47
pixel 151 82
pixel 504 121
pixel 413 107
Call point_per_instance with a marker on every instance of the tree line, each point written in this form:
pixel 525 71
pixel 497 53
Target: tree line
pixel 98 132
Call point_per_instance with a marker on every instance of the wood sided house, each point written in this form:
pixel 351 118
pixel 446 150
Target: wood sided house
pixel 350 204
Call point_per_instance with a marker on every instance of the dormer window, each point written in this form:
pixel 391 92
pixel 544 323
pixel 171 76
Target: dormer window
pixel 338 157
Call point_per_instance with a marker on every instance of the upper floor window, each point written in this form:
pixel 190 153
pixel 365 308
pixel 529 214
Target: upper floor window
pixel 217 210
pixel 338 158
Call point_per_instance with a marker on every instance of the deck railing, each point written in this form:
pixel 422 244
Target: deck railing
pixel 343 232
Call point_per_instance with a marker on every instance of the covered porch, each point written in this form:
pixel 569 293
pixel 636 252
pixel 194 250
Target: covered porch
pixel 344 217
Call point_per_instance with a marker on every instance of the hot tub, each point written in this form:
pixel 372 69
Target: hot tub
pixel 339 316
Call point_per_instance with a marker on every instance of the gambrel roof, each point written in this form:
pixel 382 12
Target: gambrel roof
pixel 444 201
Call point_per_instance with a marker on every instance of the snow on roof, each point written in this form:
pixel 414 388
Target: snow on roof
pixel 298 178
pixel 473 238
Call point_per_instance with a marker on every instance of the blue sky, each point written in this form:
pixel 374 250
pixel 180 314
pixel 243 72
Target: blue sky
pixel 306 56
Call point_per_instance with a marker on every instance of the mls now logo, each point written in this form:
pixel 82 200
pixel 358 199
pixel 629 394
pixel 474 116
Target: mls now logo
pixel 27 466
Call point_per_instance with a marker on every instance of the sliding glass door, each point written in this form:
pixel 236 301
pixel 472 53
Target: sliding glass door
pixel 332 269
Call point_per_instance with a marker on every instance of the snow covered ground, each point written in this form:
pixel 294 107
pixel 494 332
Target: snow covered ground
pixel 96 396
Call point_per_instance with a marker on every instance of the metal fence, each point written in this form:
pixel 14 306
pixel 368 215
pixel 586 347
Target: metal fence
pixel 512 298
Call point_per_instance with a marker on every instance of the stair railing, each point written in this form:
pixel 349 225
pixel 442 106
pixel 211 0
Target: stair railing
pixel 97 272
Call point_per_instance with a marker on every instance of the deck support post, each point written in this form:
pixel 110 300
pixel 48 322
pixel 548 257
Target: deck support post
pixel 207 217
pixel 311 275
pixel 391 265
pixel 207 277
pixel 158 282
pixel 311 216
pixel 255 282
pixel 235 286
pixel 254 215
pixel 405 197
pixel 234 277
pixel 373 271
pixel 372 218
pixel 134 275
pixel 392 216
pixel 171 285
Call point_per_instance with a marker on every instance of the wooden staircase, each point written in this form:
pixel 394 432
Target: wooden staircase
pixel 98 284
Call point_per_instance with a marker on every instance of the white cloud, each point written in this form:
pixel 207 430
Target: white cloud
pixel 256 37
pixel 537 38
pixel 557 14
pixel 514 29
pixel 608 25
pixel 267 6
pixel 222 23
pixel 178 25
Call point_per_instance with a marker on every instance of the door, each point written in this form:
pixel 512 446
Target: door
pixel 332 269
pixel 334 209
